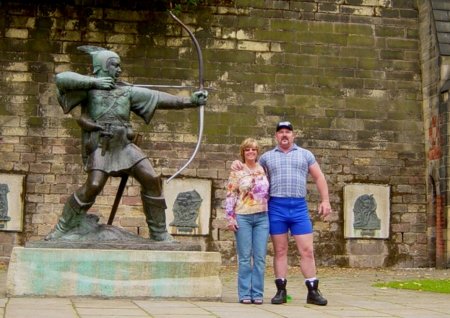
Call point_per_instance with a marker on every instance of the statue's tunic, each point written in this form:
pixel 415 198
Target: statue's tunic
pixel 111 150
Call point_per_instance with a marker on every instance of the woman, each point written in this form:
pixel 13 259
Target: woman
pixel 246 209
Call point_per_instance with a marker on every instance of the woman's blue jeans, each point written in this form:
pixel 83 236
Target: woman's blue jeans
pixel 251 241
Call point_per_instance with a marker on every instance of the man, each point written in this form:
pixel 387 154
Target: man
pixel 108 150
pixel 288 166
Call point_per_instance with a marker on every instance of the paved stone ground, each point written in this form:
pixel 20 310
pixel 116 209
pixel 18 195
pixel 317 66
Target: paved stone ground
pixel 349 292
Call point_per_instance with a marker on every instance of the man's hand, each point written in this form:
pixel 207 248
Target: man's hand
pixel 237 165
pixel 199 98
pixel 324 209
pixel 103 82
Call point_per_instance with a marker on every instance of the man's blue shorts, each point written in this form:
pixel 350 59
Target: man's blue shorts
pixel 289 214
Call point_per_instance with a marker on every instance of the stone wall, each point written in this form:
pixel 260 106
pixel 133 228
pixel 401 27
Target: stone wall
pixel 345 73
pixel 435 122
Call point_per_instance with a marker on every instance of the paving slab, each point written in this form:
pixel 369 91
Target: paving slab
pixel 350 294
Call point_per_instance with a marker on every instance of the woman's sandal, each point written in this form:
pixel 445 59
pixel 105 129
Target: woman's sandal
pixel 246 301
pixel 258 301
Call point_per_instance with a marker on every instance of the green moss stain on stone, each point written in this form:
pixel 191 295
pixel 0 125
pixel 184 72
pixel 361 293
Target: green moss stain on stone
pixel 287 112
pixel 402 44
pixel 251 3
pixel 386 125
pixel 324 38
pixel 301 60
pixel 360 40
pixel 369 64
pixel 356 103
pixel 392 54
pixel 251 22
pixel 317 122
pixel 389 31
pixel 162 53
pixel 359 52
pixel 250 77
pixel 30 108
pixel 354 28
pixel 278 35
pixel 71 126
pixel 35 122
pixel 289 25
pixel 3 109
pixel 224 56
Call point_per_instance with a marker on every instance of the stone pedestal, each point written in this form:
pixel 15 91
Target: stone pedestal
pixel 114 273
pixel 363 253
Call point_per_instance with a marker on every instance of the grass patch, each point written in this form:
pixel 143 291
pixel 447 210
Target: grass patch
pixel 430 285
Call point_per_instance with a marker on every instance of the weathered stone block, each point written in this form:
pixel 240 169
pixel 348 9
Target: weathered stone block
pixel 114 273
pixel 17 33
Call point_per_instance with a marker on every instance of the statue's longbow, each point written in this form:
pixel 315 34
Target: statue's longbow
pixel 201 86
pixel 200 123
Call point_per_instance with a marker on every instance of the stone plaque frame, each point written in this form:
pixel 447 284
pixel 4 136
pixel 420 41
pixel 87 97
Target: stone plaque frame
pixel 364 199
pixel 197 187
pixel 11 202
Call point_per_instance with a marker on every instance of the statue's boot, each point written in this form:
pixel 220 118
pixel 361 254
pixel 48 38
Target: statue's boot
pixel 73 212
pixel 155 215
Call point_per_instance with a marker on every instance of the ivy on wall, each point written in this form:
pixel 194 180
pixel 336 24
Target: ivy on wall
pixel 155 5
pixel 179 5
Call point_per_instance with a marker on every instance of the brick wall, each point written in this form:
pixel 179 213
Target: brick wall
pixel 346 73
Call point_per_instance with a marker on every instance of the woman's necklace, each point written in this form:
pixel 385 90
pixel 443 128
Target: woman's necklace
pixel 252 169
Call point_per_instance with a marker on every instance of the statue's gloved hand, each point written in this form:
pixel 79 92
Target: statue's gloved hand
pixel 199 98
pixel 103 82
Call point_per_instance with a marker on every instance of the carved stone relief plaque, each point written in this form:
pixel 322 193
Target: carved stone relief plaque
pixel 11 202
pixel 188 206
pixel 366 211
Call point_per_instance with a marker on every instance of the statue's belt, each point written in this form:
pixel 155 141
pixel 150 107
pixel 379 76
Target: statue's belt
pixel 113 124
pixel 109 130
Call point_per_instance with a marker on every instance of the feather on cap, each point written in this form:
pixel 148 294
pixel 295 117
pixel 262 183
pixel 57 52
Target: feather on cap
pixel 91 48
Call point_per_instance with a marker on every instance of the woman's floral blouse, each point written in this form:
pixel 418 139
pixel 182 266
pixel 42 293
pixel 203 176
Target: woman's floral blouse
pixel 247 192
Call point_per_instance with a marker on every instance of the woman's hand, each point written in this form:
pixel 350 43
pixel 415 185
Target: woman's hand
pixel 232 225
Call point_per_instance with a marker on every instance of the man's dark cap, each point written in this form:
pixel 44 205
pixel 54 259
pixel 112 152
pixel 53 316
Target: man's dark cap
pixel 284 124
